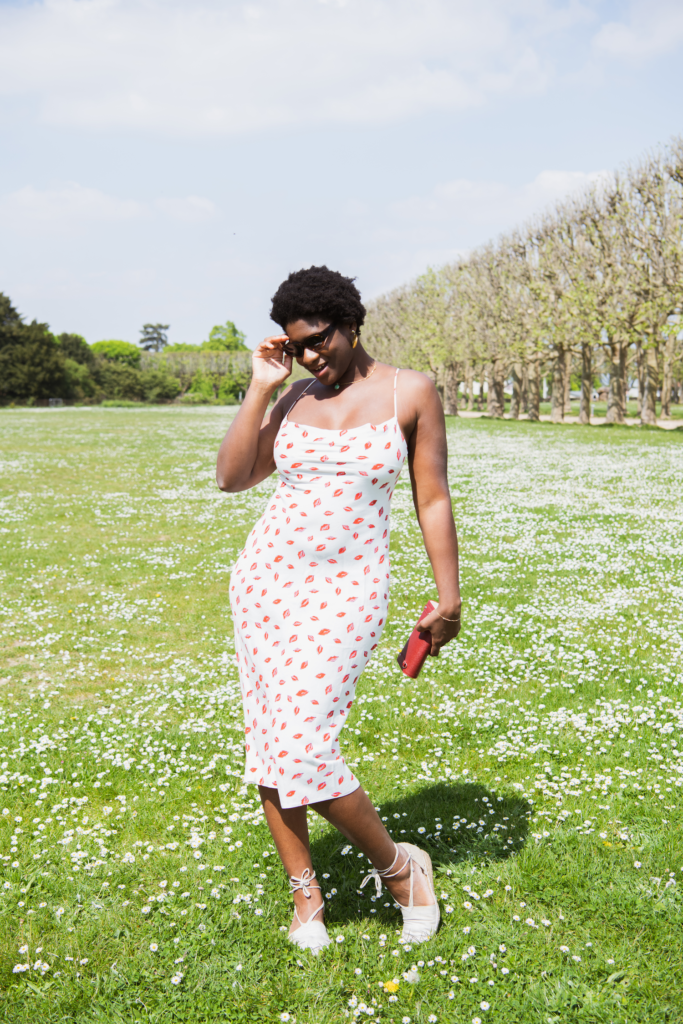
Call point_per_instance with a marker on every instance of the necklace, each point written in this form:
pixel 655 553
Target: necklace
pixel 347 383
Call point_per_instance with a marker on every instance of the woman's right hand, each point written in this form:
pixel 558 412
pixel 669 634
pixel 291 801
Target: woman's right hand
pixel 269 368
pixel 246 455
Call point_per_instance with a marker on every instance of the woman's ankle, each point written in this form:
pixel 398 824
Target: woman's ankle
pixel 399 867
pixel 390 866
pixel 309 912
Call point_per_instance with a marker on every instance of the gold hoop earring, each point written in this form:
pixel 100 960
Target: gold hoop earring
pixel 355 339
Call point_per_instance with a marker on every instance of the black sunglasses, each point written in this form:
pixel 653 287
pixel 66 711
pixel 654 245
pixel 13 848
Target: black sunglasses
pixel 297 348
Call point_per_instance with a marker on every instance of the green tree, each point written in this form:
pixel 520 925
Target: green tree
pixel 202 386
pixel 31 364
pixel 74 347
pixel 11 322
pixel 118 352
pixel 119 380
pixel 230 386
pixel 225 338
pixel 159 385
pixel 154 337
pixel 80 384
pixel 79 363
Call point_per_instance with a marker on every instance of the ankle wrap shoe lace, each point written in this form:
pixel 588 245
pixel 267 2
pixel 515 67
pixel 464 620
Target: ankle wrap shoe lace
pixel 419 923
pixel 310 934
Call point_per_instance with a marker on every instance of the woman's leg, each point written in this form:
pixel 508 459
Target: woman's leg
pixel 356 818
pixel 289 829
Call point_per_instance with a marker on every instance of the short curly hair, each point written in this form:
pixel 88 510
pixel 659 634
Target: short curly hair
pixel 317 291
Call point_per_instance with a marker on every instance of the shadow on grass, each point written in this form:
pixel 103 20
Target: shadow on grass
pixel 477 824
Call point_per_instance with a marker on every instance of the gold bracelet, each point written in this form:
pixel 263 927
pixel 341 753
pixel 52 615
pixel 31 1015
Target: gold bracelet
pixel 444 617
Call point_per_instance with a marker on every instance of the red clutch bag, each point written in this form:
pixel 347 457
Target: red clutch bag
pixel 412 657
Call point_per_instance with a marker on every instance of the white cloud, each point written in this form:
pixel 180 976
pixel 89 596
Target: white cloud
pixel 214 68
pixel 192 210
pixel 653 27
pixel 463 205
pixel 68 203
pixel 70 206
pixel 392 244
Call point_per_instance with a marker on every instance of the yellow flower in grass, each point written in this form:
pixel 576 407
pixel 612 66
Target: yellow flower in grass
pixel 391 986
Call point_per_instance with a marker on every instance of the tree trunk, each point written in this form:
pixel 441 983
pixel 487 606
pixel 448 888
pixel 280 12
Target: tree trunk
pixel 525 389
pixel 490 394
pixel 451 382
pixel 469 385
pixel 567 383
pixel 667 377
pixel 534 390
pixel 586 383
pixel 516 402
pixel 640 368
pixel 648 409
pixel 495 403
pixel 557 394
pixel 479 397
pixel 499 368
pixel 616 401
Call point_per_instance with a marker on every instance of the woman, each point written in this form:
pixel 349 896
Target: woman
pixel 310 591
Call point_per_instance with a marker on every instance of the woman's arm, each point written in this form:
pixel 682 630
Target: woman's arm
pixel 427 460
pixel 245 457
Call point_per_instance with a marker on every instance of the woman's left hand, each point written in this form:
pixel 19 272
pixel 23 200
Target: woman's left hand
pixel 442 630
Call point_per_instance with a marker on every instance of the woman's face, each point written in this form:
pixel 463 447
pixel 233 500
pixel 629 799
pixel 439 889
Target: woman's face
pixel 329 361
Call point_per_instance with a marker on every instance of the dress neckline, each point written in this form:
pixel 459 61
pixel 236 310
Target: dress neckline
pixel 343 430
pixel 334 430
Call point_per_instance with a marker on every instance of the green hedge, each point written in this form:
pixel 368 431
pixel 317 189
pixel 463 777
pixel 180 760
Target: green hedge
pixel 118 352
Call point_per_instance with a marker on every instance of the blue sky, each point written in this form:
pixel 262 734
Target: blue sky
pixel 172 161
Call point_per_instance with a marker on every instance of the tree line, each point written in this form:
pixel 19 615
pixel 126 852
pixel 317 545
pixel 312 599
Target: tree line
pixel 37 367
pixel 590 291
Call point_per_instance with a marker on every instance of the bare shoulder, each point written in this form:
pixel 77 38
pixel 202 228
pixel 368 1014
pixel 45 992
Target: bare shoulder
pixel 418 390
pixel 296 387
pixel 418 402
pixel 417 382
pixel 289 396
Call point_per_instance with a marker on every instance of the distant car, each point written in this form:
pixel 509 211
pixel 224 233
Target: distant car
pixel 575 396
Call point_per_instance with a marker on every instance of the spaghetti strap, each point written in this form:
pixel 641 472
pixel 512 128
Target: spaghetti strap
pixel 395 380
pixel 301 395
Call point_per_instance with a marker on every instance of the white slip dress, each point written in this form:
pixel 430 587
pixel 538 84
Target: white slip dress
pixel 309 596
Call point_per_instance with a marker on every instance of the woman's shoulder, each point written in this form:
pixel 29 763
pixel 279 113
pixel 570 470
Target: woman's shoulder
pixel 415 380
pixel 412 383
pixel 289 396
pixel 416 397
pixel 297 386
pixel 415 377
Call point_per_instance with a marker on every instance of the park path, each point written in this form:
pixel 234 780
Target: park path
pixel 596 421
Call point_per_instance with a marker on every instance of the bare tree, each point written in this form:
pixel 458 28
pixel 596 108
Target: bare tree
pixel 593 286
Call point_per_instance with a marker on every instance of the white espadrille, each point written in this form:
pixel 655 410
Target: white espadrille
pixel 310 934
pixel 419 923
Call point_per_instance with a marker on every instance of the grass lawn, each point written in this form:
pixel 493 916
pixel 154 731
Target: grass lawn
pixel 540 759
